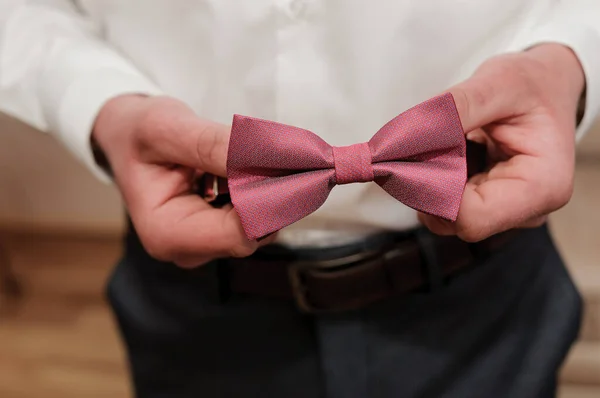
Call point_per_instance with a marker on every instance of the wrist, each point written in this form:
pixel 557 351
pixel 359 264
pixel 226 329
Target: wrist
pixel 111 127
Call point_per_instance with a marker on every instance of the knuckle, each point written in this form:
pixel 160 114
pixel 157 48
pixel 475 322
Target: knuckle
pixel 478 96
pixel 538 222
pixel 561 196
pixel 207 145
pixel 153 117
pixel 472 234
pixel 463 102
pixel 183 263
pixel 471 99
pixel 157 119
pixel 188 263
pixel 152 124
pixel 473 224
pixel 157 243
pixel 437 228
pixel 517 71
pixel 157 249
pixel 241 250
pixel 557 190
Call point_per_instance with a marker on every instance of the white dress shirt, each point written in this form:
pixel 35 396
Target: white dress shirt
pixel 341 68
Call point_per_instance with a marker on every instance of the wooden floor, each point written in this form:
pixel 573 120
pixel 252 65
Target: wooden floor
pixel 59 340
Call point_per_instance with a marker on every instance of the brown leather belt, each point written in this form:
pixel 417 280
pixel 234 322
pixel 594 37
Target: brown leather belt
pixel 358 277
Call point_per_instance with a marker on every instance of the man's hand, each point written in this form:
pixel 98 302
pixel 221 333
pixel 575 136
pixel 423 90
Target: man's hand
pixel 156 147
pixel 524 106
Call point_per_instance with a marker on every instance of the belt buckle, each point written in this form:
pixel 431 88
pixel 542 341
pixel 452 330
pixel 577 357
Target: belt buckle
pixel 300 292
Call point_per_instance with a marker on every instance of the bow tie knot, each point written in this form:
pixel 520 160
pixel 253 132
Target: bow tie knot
pixel 353 163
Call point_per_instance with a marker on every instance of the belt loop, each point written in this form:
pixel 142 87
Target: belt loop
pixel 433 268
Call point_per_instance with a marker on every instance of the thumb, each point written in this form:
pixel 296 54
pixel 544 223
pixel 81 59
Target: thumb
pixel 480 101
pixel 176 135
pixel 211 143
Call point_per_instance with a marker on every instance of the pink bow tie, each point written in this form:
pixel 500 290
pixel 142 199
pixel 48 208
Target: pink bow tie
pixel 279 174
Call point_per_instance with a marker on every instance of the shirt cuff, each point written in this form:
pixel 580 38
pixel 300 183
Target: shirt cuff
pixel 72 117
pixel 584 41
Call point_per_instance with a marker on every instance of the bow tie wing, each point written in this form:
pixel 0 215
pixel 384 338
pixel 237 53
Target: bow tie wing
pixel 419 157
pixel 277 174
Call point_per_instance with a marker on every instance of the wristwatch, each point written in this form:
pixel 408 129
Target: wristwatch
pixel 213 189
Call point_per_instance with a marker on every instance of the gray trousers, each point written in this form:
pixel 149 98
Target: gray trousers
pixel 502 329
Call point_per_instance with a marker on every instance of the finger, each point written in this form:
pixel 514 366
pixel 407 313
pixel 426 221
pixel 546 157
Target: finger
pixel 515 193
pixel 535 222
pixel 188 228
pixel 191 262
pixel 186 260
pixel 447 228
pixel 195 261
pixel 176 225
pixel 268 240
pixel 437 225
pixel 493 202
pixel 509 196
pixel 479 136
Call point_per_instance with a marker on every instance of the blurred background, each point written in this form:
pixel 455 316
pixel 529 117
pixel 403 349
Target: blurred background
pixel 60 234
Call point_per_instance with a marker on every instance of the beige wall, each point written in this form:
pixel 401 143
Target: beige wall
pixel 42 185
pixel 590 144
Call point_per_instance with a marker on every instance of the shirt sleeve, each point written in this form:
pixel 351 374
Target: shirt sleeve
pixel 575 24
pixel 56 72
